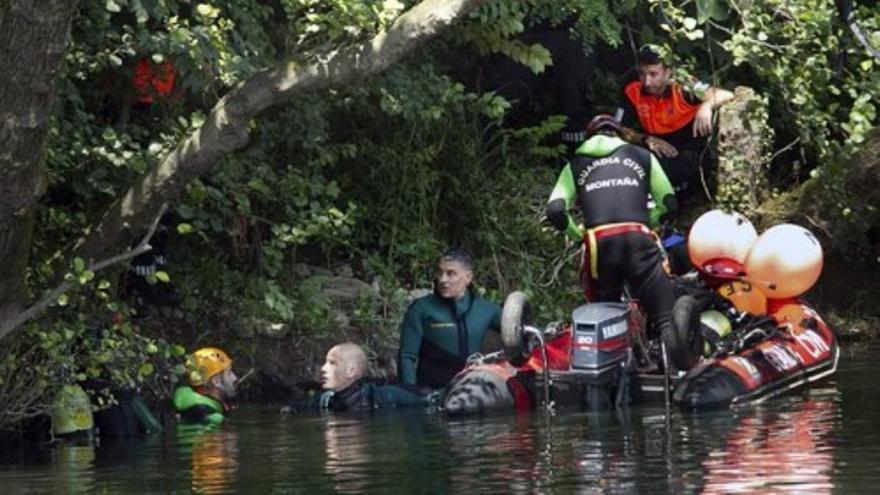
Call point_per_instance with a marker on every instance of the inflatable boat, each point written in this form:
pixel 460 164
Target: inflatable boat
pixel 741 334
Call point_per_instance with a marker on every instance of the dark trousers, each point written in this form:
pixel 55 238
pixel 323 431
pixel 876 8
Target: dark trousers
pixel 686 171
pixel 635 259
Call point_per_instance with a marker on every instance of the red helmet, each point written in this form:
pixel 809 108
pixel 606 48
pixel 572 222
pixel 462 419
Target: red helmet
pixel 603 121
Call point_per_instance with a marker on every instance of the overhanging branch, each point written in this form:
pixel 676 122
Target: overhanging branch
pixel 52 296
pixel 227 127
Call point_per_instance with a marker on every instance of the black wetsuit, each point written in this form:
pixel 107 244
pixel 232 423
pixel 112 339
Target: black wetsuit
pixel 437 335
pixel 611 180
pixel 365 395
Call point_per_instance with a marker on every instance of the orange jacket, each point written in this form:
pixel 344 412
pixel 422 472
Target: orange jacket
pixel 661 114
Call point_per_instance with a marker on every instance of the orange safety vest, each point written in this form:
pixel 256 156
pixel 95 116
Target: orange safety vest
pixel 661 114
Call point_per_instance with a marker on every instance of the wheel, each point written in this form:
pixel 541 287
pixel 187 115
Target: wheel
pixel 514 316
pixel 684 340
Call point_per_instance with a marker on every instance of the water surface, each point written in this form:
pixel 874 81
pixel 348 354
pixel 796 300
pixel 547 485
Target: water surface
pixel 822 440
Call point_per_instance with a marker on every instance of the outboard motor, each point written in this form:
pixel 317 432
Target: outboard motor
pixel 600 349
pixel 600 337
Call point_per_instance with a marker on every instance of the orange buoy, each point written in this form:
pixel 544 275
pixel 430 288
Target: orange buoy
pixel 720 235
pixel 785 261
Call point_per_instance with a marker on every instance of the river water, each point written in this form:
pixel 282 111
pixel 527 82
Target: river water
pixel 821 440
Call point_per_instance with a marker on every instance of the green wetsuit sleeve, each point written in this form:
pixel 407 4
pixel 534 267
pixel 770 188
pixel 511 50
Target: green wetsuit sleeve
pixel 565 190
pixel 660 188
pixel 196 408
pixel 411 333
pixel 214 418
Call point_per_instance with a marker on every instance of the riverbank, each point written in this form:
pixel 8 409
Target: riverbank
pixel 287 361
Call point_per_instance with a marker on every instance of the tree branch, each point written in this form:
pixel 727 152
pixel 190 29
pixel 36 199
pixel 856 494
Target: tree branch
pixel 860 36
pixel 52 296
pixel 227 127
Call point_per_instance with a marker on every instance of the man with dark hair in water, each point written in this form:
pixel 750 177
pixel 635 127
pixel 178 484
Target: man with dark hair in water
pixel 440 330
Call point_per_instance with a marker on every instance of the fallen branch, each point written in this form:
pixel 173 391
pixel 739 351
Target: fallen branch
pixel 52 296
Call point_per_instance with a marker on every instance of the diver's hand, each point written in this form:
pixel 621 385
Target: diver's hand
pixel 660 147
pixel 703 120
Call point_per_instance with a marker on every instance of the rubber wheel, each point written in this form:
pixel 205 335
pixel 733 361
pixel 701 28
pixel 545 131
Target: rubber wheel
pixel 685 344
pixel 514 316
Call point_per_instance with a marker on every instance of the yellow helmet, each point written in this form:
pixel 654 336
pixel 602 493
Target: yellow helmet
pixel 206 363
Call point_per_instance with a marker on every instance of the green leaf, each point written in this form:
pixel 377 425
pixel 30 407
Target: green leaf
pixel 112 6
pixel 86 277
pixel 114 60
pixel 140 12
pixel 146 369
pixel 204 9
pixel 162 276
pixel 184 228
pixel 78 264
pixel 63 300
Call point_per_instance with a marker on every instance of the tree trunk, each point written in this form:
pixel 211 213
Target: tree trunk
pixel 33 38
pixel 226 128
pixel 744 135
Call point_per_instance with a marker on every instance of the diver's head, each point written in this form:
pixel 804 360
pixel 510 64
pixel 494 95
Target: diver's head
pixel 210 371
pixel 345 364
pixel 455 272
pixel 604 124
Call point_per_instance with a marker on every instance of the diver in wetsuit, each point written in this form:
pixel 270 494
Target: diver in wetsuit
pixel 211 388
pixel 440 330
pixel 347 389
pixel 610 180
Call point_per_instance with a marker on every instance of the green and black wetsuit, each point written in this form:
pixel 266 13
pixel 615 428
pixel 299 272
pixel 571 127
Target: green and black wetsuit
pixel 437 336
pixel 611 180
pixel 195 408
pixel 365 395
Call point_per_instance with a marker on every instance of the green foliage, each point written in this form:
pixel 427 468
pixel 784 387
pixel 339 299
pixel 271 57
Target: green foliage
pixel 337 22
pixel 89 339
pixel 381 176
pixel 494 27
pixel 819 81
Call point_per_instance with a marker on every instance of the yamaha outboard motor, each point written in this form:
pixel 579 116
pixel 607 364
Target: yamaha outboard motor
pixel 600 349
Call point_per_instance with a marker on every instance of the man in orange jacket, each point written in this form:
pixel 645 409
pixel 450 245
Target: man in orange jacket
pixel 675 119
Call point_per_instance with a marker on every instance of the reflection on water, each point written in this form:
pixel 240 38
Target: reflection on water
pixel 345 451
pixel 213 458
pixel 818 441
pixel 777 451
